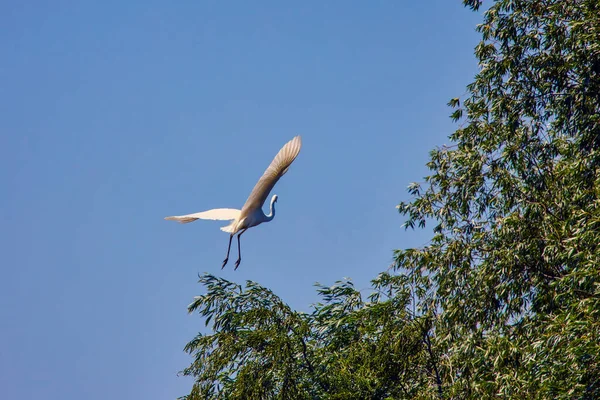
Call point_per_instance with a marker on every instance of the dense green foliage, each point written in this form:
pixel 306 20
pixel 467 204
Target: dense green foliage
pixel 505 299
pixel 347 348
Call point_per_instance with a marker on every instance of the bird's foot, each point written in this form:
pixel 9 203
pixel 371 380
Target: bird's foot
pixel 237 263
pixel 225 262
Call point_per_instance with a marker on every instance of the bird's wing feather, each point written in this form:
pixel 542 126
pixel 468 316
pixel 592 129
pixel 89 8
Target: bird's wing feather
pixel 279 166
pixel 225 214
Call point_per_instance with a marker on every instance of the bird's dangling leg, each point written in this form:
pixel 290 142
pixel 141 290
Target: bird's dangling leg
pixel 237 263
pixel 228 248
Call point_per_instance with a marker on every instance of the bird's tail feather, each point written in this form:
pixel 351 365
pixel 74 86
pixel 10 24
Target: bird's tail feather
pixel 228 228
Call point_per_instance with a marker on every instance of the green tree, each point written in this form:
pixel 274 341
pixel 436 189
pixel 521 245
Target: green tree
pixel 514 263
pixel 347 348
pixel 504 302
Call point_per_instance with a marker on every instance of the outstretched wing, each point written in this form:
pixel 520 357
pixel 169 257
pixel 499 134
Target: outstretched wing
pixel 225 214
pixel 279 166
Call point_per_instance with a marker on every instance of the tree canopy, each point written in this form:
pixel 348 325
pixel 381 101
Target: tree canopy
pixel 504 301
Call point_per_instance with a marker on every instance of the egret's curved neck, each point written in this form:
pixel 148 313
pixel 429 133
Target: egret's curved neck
pixel 272 209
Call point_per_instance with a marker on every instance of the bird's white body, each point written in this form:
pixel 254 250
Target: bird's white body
pixel 251 213
pixel 252 218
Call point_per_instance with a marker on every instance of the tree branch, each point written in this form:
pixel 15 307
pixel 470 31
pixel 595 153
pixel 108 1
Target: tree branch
pixel 438 379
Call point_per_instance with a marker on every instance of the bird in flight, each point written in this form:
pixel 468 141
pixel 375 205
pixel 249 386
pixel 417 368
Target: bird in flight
pixel 251 213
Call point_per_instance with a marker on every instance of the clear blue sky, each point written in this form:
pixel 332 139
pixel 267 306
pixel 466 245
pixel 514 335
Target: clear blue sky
pixel 115 114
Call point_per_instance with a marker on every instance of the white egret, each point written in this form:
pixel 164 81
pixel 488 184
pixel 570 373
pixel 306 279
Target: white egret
pixel 251 213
